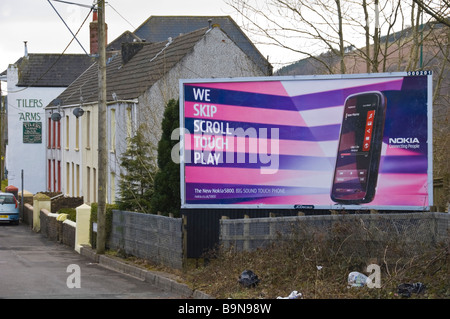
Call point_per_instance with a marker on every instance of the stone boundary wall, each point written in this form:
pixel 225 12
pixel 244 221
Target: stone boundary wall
pixel 61 231
pixel 27 214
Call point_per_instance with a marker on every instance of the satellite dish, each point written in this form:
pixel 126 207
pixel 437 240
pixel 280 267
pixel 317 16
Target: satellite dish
pixel 78 112
pixel 56 102
pixel 56 117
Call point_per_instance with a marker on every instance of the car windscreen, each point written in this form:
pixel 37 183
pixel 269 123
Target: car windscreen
pixel 4 199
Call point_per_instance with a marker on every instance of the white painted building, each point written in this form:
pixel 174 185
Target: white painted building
pixel 26 146
pixel 32 83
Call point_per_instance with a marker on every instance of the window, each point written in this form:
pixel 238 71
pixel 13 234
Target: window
pixel 67 132
pixel 73 179
pixel 77 133
pixel 88 129
pixel 58 134
pixel 54 135
pixel 49 181
pixel 54 175
pixel 7 199
pixel 67 178
pixel 59 177
pixel 49 137
pixel 78 181
pixel 113 130
pixel 129 127
pixel 112 191
pixel 88 184
pixel 94 180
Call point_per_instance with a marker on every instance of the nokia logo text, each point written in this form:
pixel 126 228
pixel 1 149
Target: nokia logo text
pixel 403 140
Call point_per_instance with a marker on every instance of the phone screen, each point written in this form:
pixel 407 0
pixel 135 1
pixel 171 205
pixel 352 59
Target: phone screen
pixel 359 150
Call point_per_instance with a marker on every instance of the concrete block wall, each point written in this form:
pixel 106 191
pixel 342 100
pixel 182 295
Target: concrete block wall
pixel 251 233
pixel 151 237
pixel 443 226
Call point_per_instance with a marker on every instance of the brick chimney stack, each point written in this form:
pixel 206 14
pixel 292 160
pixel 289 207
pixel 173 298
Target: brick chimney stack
pixel 93 33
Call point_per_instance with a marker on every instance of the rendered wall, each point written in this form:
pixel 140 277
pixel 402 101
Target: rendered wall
pixel 27 133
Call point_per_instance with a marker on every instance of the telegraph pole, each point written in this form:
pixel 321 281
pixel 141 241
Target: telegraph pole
pixel 102 156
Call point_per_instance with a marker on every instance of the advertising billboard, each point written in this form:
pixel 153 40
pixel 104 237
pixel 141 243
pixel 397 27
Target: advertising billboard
pixel 360 141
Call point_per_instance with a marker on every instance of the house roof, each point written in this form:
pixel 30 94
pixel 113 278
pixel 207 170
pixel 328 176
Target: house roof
pixel 159 28
pixel 129 77
pixel 51 70
pixel 126 37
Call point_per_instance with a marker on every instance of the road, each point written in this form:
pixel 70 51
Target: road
pixel 33 267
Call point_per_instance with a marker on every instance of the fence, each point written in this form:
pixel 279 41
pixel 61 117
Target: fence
pixel 151 237
pixel 251 233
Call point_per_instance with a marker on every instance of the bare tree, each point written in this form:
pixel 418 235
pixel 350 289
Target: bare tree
pixel 321 29
pixel 436 9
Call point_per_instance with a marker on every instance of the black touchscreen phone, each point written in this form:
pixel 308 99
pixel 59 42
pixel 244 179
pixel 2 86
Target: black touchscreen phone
pixel 360 141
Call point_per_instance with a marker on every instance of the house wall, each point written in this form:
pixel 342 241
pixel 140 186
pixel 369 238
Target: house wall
pixel 71 151
pixel 72 148
pixel 215 56
pixel 26 105
pixel 79 163
pixel 89 137
pixel 121 119
pixel 53 145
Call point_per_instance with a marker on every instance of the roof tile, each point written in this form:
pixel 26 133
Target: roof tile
pixel 130 80
pixel 51 70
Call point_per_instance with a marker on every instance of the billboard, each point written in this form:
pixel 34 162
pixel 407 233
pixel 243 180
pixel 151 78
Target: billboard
pixel 360 141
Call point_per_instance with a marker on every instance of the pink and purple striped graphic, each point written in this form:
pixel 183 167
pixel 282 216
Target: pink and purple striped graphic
pixel 275 142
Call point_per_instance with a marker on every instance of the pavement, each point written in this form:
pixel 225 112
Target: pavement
pixel 158 279
pixel 32 266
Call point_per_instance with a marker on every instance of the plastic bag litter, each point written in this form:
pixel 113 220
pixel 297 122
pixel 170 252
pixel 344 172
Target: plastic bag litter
pixel 293 295
pixel 248 279
pixel 356 279
pixel 405 290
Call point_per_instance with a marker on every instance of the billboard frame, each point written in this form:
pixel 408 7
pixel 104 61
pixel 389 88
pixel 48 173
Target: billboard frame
pixel 429 141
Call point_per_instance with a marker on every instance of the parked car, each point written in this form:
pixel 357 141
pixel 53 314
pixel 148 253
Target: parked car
pixel 9 208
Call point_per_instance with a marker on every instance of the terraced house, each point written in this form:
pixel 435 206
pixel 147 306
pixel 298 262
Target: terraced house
pixel 142 76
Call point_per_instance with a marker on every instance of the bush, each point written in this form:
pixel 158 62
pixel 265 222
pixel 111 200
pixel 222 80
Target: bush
pixel 318 266
pixel 136 183
pixel 71 212
pixel 166 196
pixel 108 221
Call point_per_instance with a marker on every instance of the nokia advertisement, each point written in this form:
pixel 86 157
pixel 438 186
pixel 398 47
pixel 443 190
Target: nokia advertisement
pixel 359 141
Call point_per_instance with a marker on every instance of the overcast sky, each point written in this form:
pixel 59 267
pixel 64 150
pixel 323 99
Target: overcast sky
pixel 36 22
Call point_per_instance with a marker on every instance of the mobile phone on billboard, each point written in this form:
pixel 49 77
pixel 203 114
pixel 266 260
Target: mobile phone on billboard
pixel 360 141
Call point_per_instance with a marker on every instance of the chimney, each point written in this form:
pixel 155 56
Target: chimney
pixel 26 49
pixel 93 33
